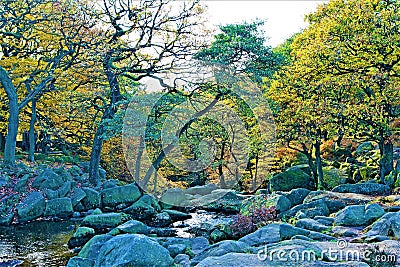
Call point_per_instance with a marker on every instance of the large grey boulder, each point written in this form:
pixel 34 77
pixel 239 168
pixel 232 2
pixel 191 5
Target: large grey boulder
pixel 132 250
pixel 144 209
pixel 223 200
pixel 128 194
pixel 81 236
pixel 363 188
pixel 297 196
pixel 312 225
pixel 172 197
pixel 60 207
pixel 359 215
pixel 32 207
pixel 91 249
pixel 133 227
pixel 80 262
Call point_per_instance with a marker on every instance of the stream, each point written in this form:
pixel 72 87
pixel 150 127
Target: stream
pixel 36 244
pixel 44 243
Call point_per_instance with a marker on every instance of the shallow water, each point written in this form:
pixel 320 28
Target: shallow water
pixel 37 243
pixel 197 219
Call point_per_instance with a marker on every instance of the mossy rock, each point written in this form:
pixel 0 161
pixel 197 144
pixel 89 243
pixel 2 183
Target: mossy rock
pixel 294 177
pixel 334 177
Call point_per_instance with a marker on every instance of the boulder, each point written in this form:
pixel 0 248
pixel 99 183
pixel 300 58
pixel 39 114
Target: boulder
pixel 91 249
pixel 221 248
pixel 312 225
pixel 48 179
pixel 104 220
pixel 133 227
pixel 182 260
pixel 388 225
pixel 59 207
pixel 32 207
pixel 113 197
pixel 92 199
pixel 162 219
pixel 201 190
pixel 292 178
pixel 172 197
pixel 359 215
pixel 222 200
pixel 81 236
pixel 65 189
pixel 6 209
pixel 80 262
pixel 176 249
pixel 363 188
pixel 144 209
pixel 309 210
pixel 132 250
pixel 177 215
pixel 296 196
pixel 77 195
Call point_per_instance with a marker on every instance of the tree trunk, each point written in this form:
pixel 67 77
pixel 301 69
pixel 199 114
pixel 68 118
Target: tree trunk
pixel 2 142
pixel 255 174
pixel 318 162
pixel 32 139
pixel 13 119
pixel 94 177
pixel 139 160
pixel 386 161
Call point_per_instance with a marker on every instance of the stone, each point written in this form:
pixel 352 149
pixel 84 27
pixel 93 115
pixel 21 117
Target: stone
pixel 176 249
pixel 112 183
pixel 182 260
pixel 172 197
pixel 80 262
pixel 65 190
pixel 81 236
pixel 220 200
pixel 128 194
pixel 312 225
pixel 199 244
pixel 51 194
pixel 32 207
pixel 7 205
pixel 201 190
pixel 177 215
pixel 292 178
pixel 217 235
pixel 91 249
pixel 77 195
pixel 310 210
pixel 59 207
pixel 75 171
pixel 143 209
pixel 265 235
pixel 296 196
pixel 133 227
pixel 388 225
pixel 48 179
pixel 363 188
pixel 341 231
pixel 105 220
pixel 221 248
pixel 359 215
pixel 132 250
pixel 22 183
pixel 327 221
pixel 92 199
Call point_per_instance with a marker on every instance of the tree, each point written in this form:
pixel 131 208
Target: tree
pixel 143 39
pixel 39 40
pixel 347 64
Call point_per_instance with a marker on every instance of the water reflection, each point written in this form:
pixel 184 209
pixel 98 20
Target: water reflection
pixel 37 243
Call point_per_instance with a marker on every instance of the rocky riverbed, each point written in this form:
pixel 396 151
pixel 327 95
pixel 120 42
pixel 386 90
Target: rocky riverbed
pixel 119 225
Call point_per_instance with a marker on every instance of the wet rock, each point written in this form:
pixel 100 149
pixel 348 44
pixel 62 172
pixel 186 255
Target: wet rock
pixel 105 220
pixel 59 207
pixel 128 194
pixel 81 237
pixel 32 207
pixel 359 215
pixel 177 215
pixel 162 219
pixel 144 209
pixel 91 249
pixel 7 205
